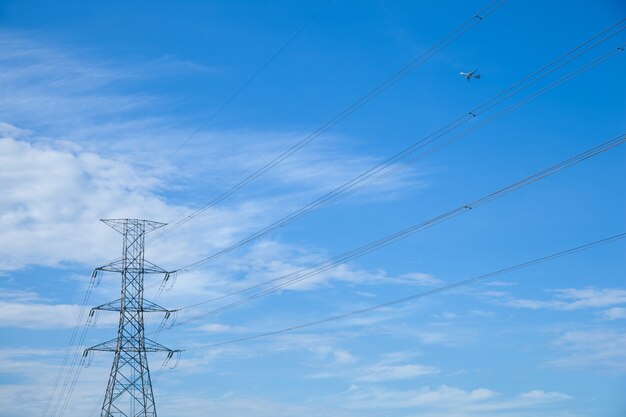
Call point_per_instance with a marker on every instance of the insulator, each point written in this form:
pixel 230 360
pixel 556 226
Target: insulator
pixel 177 361
pixel 172 321
pixel 93 317
pixel 167 358
pixel 98 278
pixel 171 282
pixel 87 358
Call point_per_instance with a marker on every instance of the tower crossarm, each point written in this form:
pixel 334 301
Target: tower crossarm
pixel 121 224
pixel 152 346
pixel 119 266
pixel 147 307
pixel 148 345
pixel 108 346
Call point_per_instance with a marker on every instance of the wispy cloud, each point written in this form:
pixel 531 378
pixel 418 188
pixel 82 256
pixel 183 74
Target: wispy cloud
pixel 77 96
pixel 544 395
pixel 219 328
pixel 615 313
pixel 379 372
pixel 56 87
pixel 93 162
pixel 31 372
pixel 39 316
pixel 391 367
pixel 566 299
pixel 598 349
pixel 369 399
pixel 452 401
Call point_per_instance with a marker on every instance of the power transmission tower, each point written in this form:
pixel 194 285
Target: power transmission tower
pixel 129 391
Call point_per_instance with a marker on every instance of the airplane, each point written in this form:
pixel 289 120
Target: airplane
pixel 469 75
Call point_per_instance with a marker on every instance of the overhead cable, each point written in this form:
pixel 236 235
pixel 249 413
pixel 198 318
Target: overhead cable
pixel 433 291
pixel 391 165
pixel 360 102
pixel 307 273
pixel 78 333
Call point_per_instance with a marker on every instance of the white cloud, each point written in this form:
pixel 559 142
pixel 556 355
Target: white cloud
pixel 447 400
pixel 38 316
pixel 230 405
pixel 418 278
pixel 601 350
pixel 544 395
pixel 446 316
pixel 12 131
pixel 19 296
pixel 398 357
pixel 67 93
pixel 343 356
pixel 60 193
pixel 36 373
pixel 269 260
pixel 391 367
pixel 442 396
pixel 568 299
pixel 67 90
pixel 378 373
pixel 615 313
pixel 57 186
pixel 499 283
pixel 52 198
pixel 31 315
pixel 33 372
pixel 432 337
pixel 219 328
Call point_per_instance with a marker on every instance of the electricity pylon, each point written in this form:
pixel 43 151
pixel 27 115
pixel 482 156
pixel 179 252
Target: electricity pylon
pixel 129 391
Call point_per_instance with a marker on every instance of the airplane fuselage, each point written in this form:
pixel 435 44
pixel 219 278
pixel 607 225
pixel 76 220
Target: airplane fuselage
pixel 469 75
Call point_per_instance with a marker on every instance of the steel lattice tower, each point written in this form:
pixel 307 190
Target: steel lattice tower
pixel 129 391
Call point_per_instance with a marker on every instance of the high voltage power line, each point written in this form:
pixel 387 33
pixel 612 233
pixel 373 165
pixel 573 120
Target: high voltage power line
pixel 602 36
pixel 78 333
pixel 307 273
pixel 412 297
pixel 360 102
pixel 355 185
pixel 379 172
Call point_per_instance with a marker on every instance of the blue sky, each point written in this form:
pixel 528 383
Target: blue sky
pixel 103 112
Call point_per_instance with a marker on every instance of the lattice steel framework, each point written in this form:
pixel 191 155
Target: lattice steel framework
pixel 129 391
